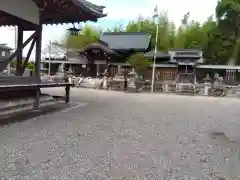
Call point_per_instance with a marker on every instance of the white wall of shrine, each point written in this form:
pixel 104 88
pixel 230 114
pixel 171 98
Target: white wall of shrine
pixel 24 9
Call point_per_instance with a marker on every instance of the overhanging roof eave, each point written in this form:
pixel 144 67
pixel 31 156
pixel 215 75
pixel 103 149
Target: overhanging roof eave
pixel 86 5
pixel 99 46
pixel 91 5
pixel 159 54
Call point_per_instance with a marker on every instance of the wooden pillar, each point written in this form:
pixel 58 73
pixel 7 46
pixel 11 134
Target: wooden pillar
pixel 36 104
pixel 98 68
pixel 67 94
pixel 119 68
pixel 20 53
pixel 38 64
pixel 38 51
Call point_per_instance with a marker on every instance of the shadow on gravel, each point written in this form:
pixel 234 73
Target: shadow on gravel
pixel 28 114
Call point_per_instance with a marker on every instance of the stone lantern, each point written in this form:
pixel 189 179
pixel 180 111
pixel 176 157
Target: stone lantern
pixel 207 85
pixel 74 31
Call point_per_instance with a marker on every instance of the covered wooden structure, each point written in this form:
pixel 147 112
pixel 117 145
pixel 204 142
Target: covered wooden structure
pixel 113 50
pixel 31 15
pixel 98 56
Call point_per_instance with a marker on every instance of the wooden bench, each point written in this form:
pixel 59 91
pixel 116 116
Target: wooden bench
pixel 16 88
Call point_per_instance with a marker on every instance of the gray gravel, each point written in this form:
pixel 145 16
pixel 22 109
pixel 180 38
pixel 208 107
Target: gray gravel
pixel 126 136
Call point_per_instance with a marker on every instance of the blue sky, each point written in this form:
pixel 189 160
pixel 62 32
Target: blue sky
pixel 121 11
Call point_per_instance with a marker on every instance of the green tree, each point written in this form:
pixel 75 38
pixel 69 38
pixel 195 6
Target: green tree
pixel 118 28
pixel 166 31
pixel 219 40
pixel 31 66
pixel 218 47
pixel 228 18
pixel 87 36
pixel 139 62
pixel 190 34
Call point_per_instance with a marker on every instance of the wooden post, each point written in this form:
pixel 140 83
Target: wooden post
pixel 38 51
pixel 2 67
pixel 20 53
pixel 36 104
pixel 28 56
pixel 67 94
pixel 38 40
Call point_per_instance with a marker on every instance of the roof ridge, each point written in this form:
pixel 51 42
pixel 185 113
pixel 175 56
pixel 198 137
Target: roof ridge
pixel 125 33
pixel 4 46
pixel 90 7
pixel 185 49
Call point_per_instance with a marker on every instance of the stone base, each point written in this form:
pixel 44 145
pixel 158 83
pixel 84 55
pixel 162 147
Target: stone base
pixel 131 89
pixel 105 83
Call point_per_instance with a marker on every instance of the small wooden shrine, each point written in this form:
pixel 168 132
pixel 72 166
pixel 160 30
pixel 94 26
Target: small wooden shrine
pixel 98 56
pixel 186 61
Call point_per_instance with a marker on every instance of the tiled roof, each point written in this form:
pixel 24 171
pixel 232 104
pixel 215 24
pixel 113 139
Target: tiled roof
pixel 159 54
pixel 127 40
pixel 4 47
pixel 91 8
pixel 182 49
pixel 101 46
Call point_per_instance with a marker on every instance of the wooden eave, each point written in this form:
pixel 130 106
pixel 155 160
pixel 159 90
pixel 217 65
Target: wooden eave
pixel 58 12
pixel 10 20
pixel 99 46
pixel 70 10
pixel 91 8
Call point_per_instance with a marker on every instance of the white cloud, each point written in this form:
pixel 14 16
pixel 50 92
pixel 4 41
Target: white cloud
pixel 126 9
pixel 131 9
pixel 199 10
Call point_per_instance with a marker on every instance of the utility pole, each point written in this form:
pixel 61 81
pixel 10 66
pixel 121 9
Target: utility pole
pixel 49 58
pixel 155 51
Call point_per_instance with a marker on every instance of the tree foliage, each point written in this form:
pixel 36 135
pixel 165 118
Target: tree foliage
pixel 228 18
pixel 139 62
pixel 219 39
pixel 30 65
pixel 87 36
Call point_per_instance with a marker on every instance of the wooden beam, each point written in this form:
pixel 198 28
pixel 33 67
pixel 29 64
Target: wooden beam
pixel 21 47
pixel 5 63
pixel 28 56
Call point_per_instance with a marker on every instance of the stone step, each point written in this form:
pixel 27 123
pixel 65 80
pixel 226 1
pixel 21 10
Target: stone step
pixel 185 88
pixel 18 105
pixel 90 83
pixel 11 80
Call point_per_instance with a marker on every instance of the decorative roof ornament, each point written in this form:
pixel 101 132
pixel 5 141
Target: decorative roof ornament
pixel 73 31
pixel 44 6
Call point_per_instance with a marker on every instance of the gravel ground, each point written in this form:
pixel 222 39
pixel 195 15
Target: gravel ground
pixel 119 136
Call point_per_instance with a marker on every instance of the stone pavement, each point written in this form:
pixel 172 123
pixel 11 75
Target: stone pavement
pixel 115 135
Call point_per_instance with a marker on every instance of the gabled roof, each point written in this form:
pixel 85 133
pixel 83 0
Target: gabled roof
pixel 74 58
pixel 4 47
pixel 185 50
pixel 101 46
pixel 159 54
pixel 126 40
pixel 91 8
